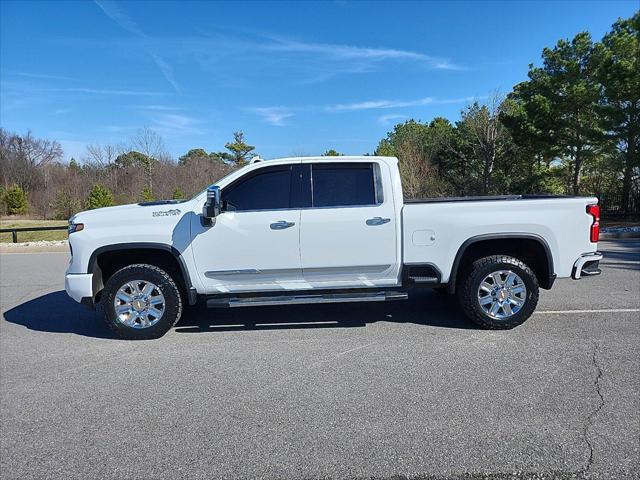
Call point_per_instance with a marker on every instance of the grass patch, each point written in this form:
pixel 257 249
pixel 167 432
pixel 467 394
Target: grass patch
pixel 32 236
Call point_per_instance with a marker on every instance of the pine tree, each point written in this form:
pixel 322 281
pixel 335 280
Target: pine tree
pixel 178 194
pixel 147 194
pixel 15 198
pixel 100 196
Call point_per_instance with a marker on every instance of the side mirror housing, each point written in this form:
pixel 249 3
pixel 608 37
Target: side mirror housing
pixel 212 207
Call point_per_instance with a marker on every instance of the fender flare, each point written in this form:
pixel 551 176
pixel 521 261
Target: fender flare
pixel 191 291
pixel 451 285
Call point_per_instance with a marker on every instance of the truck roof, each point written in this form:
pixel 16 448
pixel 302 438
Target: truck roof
pixel 341 158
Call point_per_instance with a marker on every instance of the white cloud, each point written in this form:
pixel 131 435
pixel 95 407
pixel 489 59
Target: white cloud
pixel 350 52
pixel 266 57
pixel 114 12
pixel 173 125
pixel 388 119
pixel 41 76
pixel 163 123
pixel 156 107
pixel 376 104
pixel 382 104
pixel 278 115
pixel 120 128
pixel 104 91
pixel 273 115
pixel 26 91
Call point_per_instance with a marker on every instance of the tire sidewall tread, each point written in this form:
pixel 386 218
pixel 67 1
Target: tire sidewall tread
pixel 467 293
pixel 142 271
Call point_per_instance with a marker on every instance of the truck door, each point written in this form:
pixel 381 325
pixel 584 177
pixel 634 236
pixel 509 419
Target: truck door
pixel 253 244
pixel 348 236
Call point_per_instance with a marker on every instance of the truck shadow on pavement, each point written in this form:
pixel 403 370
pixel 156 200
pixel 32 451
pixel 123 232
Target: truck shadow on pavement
pixel 56 313
pixel 422 308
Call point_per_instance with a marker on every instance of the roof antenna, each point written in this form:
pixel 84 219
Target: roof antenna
pixel 255 159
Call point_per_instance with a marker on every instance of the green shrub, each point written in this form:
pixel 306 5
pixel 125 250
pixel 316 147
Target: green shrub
pixel 15 200
pixel 100 196
pixel 178 194
pixel 147 195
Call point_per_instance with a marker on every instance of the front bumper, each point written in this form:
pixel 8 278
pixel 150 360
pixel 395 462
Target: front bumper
pixel 587 265
pixel 79 286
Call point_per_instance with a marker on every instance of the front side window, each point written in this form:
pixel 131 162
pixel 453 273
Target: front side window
pixel 343 185
pixel 261 190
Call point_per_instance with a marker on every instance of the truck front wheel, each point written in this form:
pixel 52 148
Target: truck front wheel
pixel 498 292
pixel 141 302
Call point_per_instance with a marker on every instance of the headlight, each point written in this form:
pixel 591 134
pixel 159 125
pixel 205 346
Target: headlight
pixel 75 227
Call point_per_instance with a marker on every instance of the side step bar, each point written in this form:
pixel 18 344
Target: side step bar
pixel 425 280
pixel 258 301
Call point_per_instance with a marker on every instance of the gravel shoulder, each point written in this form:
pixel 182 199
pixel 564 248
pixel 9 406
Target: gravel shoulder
pixel 42 246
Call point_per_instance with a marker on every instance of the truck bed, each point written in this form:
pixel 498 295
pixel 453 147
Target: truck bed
pixel 435 229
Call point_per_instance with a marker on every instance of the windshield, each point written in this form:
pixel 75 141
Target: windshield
pixel 216 182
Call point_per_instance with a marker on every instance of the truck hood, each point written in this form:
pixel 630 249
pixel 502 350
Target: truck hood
pixel 163 212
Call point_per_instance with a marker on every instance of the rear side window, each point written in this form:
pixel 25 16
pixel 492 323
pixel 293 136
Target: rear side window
pixel 344 185
pixel 266 189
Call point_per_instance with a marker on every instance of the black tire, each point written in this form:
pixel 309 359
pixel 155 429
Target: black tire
pixel 151 273
pixel 468 291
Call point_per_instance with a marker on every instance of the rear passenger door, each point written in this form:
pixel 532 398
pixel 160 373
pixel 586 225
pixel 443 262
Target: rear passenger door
pixel 348 235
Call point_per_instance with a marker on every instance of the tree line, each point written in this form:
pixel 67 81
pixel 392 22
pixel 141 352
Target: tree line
pixel 573 127
pixel 34 180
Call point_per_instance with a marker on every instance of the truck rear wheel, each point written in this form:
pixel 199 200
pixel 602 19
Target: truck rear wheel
pixel 141 302
pixel 499 292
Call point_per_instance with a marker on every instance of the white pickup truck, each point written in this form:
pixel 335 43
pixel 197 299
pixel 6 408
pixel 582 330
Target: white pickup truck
pixel 320 230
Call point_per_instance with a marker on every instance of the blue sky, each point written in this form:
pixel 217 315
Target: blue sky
pixel 296 77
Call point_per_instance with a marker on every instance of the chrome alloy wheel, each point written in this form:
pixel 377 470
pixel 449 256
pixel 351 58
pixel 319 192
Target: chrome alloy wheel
pixel 502 294
pixel 139 304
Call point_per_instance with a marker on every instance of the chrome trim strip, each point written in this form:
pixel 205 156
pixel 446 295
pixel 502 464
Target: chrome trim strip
pixel 237 212
pixel 250 271
pixel 586 257
pixel 368 269
pixel 215 273
pixel 347 270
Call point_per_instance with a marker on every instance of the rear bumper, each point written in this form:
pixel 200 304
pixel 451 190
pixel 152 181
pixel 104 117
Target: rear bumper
pixel 79 286
pixel 587 265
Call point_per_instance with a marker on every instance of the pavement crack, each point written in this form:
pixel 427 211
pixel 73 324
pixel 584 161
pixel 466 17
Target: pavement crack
pixel 592 416
pixel 338 355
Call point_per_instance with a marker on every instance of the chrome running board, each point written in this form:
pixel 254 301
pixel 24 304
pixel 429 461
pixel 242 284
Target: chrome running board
pixel 260 301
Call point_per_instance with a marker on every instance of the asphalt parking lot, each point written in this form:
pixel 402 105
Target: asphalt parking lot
pixel 398 390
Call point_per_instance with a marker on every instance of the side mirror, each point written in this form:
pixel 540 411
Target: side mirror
pixel 212 207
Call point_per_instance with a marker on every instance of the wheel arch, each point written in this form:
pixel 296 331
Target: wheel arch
pixel 159 254
pixel 542 263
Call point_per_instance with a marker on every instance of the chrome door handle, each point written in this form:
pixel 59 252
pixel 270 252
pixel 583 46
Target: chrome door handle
pixel 377 221
pixel 281 225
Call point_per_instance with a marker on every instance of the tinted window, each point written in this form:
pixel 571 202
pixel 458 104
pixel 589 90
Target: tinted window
pixel 268 190
pixel 339 185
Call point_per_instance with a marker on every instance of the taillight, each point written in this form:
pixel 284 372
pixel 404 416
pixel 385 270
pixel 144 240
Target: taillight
pixel 594 211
